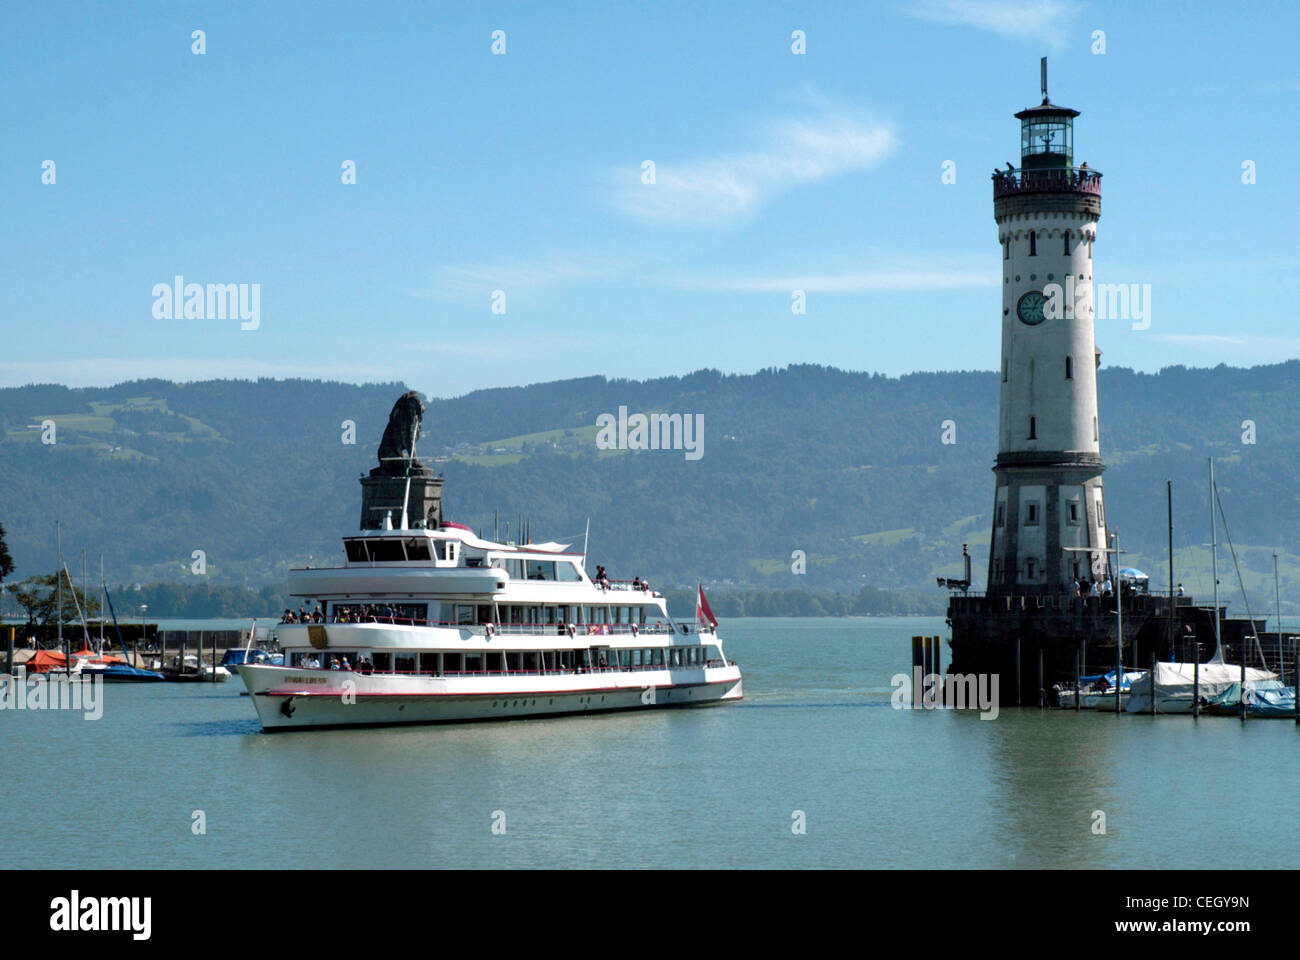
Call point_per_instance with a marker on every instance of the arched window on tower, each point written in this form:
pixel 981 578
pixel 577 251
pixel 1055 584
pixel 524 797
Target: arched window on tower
pixel 1033 428
pixel 1033 243
pixel 1069 368
pixel 1065 236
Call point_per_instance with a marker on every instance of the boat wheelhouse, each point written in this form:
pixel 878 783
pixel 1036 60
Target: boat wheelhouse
pixel 431 625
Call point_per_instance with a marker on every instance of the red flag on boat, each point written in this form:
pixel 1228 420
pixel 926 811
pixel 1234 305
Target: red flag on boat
pixel 702 612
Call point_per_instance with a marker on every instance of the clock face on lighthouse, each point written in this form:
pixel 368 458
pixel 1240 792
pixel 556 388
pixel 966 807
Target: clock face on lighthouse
pixel 1030 308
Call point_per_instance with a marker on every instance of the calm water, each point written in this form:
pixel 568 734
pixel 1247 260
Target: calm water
pixel 709 788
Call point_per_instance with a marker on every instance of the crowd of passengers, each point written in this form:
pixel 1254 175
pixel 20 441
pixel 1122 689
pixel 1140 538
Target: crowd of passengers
pixel 601 579
pixel 365 613
pixel 363 665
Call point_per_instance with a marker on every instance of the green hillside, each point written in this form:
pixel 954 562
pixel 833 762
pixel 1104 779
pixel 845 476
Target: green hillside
pixel 847 468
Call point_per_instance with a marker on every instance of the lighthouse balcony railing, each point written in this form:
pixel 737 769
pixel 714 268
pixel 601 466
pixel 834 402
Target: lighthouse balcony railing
pixel 1007 183
pixel 1053 604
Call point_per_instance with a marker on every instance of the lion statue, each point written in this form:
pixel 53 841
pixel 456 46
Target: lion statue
pixel 404 423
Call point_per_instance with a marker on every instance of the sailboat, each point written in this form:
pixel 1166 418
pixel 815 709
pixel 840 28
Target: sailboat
pixel 112 669
pixel 1187 687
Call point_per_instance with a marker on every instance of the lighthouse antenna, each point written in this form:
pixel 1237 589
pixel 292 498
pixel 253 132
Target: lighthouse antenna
pixel 1042 69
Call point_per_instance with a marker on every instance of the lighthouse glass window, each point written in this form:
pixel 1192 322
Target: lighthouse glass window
pixel 1047 136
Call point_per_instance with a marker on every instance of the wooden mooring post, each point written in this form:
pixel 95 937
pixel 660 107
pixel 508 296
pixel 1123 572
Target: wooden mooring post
pixel 942 694
pixel 1019 702
pixel 917 665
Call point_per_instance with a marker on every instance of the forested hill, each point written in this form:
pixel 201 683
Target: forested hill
pixel 849 468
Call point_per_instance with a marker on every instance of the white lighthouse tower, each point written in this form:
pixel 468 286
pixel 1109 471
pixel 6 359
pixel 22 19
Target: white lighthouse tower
pixel 1049 491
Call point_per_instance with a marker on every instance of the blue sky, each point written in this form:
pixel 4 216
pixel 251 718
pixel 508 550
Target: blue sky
pixel 522 172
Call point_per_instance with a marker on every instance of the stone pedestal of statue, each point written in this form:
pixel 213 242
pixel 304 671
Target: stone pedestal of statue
pixel 382 493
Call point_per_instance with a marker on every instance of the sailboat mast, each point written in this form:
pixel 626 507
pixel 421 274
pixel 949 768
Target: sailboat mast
pixel 1214 564
pixel 1277 597
pixel 1119 624
pixel 1169 499
pixel 58 538
pixel 103 590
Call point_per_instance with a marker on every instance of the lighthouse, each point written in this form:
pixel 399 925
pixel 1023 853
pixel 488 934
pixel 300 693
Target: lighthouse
pixel 1049 516
pixel 1048 510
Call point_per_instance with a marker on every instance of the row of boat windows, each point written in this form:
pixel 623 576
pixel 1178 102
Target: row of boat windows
pixel 506 661
pixel 400 549
pixel 564 571
pixel 392 549
pixel 475 613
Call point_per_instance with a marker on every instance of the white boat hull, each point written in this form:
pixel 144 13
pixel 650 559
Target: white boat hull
pixel 290 698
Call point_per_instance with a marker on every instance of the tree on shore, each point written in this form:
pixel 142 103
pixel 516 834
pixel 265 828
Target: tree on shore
pixel 38 596
pixel 6 561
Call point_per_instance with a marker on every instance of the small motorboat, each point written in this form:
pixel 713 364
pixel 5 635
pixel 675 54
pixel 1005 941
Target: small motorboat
pixel 192 671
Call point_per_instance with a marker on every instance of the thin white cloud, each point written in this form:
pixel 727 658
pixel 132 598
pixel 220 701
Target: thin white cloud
pixel 1042 21
pixel 106 371
pixel 716 191
pixel 901 278
pixel 477 281
pixel 1207 339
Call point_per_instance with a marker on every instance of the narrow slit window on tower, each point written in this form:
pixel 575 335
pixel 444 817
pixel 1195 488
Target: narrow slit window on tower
pixel 1096 436
pixel 1004 370
pixel 1006 249
pixel 1031 515
pixel 1033 243
pixel 1029 568
pixel 1033 428
pixel 1069 368
pixel 1089 249
pixel 1066 238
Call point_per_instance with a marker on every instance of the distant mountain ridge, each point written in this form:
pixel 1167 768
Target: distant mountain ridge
pixel 843 473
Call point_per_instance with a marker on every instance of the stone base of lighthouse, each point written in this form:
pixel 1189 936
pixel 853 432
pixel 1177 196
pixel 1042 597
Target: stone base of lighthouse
pixel 1009 635
pixel 1049 523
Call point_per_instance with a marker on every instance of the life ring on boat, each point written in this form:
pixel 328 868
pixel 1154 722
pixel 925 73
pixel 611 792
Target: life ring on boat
pixel 489 630
pixel 571 630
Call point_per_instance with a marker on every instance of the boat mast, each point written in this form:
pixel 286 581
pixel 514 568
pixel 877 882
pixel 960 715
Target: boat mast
pixel 406 497
pixel 1214 566
pixel 1169 497
pixel 104 592
pixel 58 537
pixel 1277 596
pixel 1119 622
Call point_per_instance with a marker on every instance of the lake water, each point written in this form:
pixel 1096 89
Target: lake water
pixel 714 787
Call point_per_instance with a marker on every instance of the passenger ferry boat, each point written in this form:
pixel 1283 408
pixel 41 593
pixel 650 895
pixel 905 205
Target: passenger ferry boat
pixel 438 625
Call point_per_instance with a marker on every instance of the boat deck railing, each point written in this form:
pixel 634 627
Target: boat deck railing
pixel 521 629
pixel 546 672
